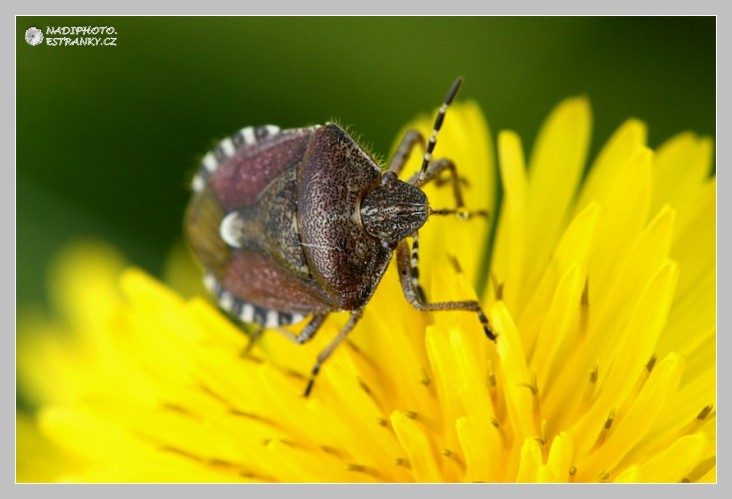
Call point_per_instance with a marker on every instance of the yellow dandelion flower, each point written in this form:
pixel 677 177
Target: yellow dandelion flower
pixel 601 290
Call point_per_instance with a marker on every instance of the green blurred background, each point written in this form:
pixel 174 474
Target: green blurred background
pixel 107 137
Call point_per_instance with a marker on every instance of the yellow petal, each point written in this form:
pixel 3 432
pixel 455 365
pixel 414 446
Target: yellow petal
pixel 671 464
pixel 555 169
pixel 515 380
pixel 629 354
pixel 508 260
pixel 681 164
pixel 625 200
pixel 417 447
pixel 531 461
pixel 561 455
pixel 652 399
pixel 625 143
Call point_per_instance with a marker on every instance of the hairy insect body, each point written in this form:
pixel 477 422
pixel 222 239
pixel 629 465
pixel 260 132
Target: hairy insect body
pixel 303 222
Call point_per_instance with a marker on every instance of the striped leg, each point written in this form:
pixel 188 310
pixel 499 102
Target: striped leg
pixel 414 270
pixel 323 356
pixel 254 335
pixel 409 277
pixel 308 332
pixel 411 139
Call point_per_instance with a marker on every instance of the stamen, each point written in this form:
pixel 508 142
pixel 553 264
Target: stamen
pixel 501 431
pixel 590 387
pixel 217 463
pixel 360 468
pixel 585 299
pixel 179 409
pixel 605 429
pixel 695 423
pixel 705 412
pixel 249 356
pixel 531 386
pixel 454 457
pixel 253 416
pixel 584 312
pixel 330 450
pixel 364 386
pixel 455 263
pixel 497 287
pixel 543 432
pixel 609 420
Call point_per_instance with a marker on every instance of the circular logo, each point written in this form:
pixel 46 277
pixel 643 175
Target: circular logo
pixel 33 36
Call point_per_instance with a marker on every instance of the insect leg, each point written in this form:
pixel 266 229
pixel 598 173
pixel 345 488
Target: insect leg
pixel 411 139
pixel 254 336
pixel 323 356
pixel 308 332
pixel 409 278
pixel 433 172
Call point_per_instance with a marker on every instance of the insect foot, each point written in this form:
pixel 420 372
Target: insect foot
pixel 299 223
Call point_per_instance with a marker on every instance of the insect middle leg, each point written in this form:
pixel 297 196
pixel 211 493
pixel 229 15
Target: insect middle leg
pixel 323 356
pixel 308 332
pixel 409 277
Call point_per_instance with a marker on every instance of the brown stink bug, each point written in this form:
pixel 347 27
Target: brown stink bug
pixel 303 222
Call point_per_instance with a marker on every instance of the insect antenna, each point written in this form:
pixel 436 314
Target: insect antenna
pixel 462 213
pixel 438 124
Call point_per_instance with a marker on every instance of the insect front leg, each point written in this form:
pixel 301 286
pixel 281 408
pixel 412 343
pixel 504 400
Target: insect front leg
pixel 411 139
pixel 409 278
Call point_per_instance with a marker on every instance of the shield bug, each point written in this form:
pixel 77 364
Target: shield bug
pixel 303 222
